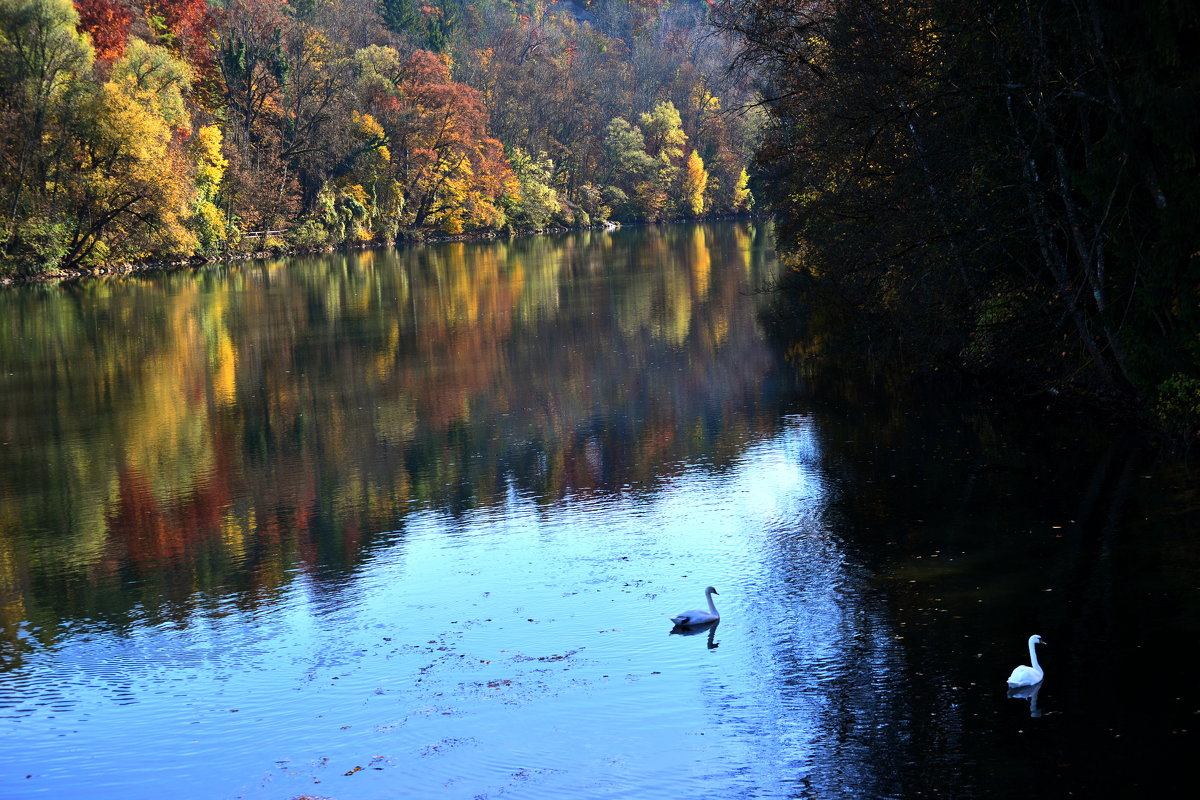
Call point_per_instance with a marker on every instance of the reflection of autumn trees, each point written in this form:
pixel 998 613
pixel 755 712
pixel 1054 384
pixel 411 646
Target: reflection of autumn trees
pixel 218 431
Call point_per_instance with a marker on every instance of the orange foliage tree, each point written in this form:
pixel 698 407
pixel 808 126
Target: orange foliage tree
pixel 452 172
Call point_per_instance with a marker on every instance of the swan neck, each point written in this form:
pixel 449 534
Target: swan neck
pixel 711 607
pixel 1033 655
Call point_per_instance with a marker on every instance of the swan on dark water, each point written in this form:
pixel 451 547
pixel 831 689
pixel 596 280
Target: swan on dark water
pixel 699 616
pixel 1028 676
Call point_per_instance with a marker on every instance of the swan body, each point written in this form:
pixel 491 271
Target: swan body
pixel 699 616
pixel 1031 675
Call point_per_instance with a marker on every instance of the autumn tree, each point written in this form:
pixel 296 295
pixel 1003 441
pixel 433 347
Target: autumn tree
pixel 43 65
pixel 741 199
pixel 453 172
pixel 261 192
pixel 186 28
pixel 126 185
pixel 534 203
pixel 554 83
pixel 372 170
pixel 694 184
pixel 315 122
pixel 550 84
pixel 314 108
pixel 206 219
pixel 108 23
pixel 182 26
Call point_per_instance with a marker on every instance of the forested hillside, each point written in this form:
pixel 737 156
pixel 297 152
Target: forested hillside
pixel 159 129
pixel 1003 190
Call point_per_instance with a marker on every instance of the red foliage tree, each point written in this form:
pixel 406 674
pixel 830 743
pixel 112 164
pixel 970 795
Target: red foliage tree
pixel 186 26
pixel 186 21
pixel 108 23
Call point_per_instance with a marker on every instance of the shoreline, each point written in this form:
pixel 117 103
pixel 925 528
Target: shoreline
pixel 138 267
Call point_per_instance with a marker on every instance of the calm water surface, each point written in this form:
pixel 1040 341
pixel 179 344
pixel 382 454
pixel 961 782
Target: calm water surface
pixel 410 523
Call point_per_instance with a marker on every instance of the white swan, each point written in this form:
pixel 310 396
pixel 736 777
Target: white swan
pixel 699 617
pixel 1028 676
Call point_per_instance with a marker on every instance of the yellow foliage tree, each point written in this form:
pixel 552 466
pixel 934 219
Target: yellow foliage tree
pixel 207 220
pixel 372 169
pixel 742 199
pixel 695 181
pixel 130 187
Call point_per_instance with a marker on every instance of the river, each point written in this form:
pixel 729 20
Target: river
pixel 411 523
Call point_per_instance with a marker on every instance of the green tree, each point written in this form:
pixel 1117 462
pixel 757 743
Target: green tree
pixel 536 202
pixel 742 199
pixel 665 141
pixel 627 166
pixel 664 135
pixel 431 25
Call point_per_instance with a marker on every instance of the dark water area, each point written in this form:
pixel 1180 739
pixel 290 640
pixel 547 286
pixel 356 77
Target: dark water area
pixel 979 526
pixel 411 523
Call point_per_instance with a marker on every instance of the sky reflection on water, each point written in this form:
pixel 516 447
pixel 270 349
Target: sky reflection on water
pixel 517 647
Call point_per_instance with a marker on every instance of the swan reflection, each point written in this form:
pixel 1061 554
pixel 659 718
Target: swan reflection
pixel 1029 693
pixel 692 630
